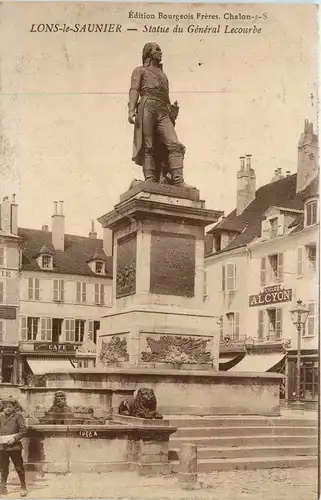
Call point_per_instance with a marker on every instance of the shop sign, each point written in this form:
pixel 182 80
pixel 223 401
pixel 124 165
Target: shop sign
pixel 6 273
pixel 8 312
pixel 55 347
pixel 271 295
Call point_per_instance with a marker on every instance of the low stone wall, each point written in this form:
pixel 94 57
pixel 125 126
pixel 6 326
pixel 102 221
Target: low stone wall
pixel 180 392
pixel 98 448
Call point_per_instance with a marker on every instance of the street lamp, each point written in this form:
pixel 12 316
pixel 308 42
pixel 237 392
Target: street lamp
pixel 299 315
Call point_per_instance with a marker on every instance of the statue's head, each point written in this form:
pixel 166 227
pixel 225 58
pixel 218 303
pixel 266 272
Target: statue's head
pixel 151 51
pixel 60 399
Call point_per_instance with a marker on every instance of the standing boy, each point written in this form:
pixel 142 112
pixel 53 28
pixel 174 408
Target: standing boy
pixel 12 425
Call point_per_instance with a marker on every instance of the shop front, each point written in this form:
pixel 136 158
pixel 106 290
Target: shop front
pixel 39 358
pixel 309 377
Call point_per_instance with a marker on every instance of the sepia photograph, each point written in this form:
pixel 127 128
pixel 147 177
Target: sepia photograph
pixel 159 251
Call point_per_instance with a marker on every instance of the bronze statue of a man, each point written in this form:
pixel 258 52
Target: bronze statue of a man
pixel 156 146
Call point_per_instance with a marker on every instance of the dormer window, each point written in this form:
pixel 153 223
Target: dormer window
pixel 99 267
pixel 45 258
pixel 311 215
pixel 46 261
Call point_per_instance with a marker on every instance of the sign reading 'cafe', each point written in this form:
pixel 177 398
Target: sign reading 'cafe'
pixel 271 295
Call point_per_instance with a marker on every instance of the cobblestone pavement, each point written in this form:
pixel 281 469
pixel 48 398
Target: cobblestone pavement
pixel 273 484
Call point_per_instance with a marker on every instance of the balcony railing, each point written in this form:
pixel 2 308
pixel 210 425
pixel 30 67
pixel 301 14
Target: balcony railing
pixel 244 342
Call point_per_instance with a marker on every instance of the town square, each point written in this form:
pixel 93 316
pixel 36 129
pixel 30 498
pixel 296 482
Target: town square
pixel 158 260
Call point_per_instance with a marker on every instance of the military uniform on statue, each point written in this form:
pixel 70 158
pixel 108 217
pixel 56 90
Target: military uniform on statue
pixel 156 147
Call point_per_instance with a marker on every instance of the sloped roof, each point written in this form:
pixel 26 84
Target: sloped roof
pixel 281 193
pixel 234 226
pixel 79 250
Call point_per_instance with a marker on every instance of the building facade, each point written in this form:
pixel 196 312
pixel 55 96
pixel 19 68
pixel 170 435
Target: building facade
pixel 57 286
pixel 9 291
pixel 259 261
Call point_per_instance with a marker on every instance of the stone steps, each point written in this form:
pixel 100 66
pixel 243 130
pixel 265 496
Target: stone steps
pixel 250 451
pixel 226 443
pixel 245 431
pixel 262 440
pixel 246 463
pixel 240 421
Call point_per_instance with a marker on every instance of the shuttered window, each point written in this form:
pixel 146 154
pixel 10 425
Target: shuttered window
pixel 261 324
pixel 1 292
pixel 300 261
pixel 263 271
pixel 33 289
pixel 46 329
pixel 58 290
pixel 70 330
pixel 278 323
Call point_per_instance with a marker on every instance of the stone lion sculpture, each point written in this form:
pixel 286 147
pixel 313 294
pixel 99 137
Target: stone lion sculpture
pixel 143 405
pixel 59 413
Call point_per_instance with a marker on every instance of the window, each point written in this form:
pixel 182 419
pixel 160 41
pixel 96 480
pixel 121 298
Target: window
pixel 275 268
pixel 99 294
pixel 79 330
pixel 273 227
pixel 58 290
pixel 312 256
pixel 1 256
pixel 70 330
pixel 32 328
pixel 233 325
pixel 229 278
pixel 311 213
pixel 221 324
pixel 309 329
pixel 46 262
pixel 46 329
pixel 81 292
pixel 1 292
pixel 270 324
pixel 33 289
pixel 99 267
pixel 217 243
pixel 1 330
pixel 300 262
pixel 56 329
pixel 93 328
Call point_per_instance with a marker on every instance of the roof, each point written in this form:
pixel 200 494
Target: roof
pixel 79 250
pixel 281 193
pixel 234 226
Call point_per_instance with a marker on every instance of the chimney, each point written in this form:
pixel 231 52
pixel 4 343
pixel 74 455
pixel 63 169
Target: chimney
pixel 108 241
pixel 287 173
pixel 246 184
pixel 45 228
pixel 93 233
pixel 58 227
pixel 9 215
pixel 308 151
pixel 277 175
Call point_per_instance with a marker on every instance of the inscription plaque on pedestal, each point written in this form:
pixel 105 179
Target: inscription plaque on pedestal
pixel 172 264
pixel 126 266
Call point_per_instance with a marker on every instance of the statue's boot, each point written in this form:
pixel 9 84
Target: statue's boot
pixel 176 170
pixel 149 169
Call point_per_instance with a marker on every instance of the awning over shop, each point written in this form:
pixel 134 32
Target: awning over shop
pixel 258 362
pixel 39 366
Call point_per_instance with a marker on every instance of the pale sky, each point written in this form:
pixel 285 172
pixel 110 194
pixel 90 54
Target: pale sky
pixel 63 102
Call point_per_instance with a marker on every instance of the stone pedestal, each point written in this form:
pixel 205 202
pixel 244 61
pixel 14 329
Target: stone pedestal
pixel 158 317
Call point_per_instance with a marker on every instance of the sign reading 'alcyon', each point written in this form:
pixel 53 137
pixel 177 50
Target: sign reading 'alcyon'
pixel 271 295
